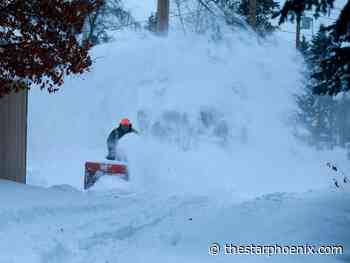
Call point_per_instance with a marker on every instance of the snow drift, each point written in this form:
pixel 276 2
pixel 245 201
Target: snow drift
pixel 62 225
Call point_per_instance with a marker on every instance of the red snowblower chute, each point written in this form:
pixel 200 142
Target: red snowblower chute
pixel 95 170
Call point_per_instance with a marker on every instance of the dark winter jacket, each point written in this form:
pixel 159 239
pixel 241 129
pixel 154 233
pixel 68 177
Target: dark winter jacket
pixel 114 137
pixel 119 132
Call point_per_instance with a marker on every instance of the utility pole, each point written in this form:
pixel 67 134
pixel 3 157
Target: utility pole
pixel 297 39
pixel 252 13
pixel 163 17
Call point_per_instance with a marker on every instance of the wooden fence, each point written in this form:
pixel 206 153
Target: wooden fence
pixel 13 136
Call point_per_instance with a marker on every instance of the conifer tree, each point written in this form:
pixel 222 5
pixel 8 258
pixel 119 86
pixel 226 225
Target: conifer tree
pixel 316 113
pixel 334 73
pixel 265 10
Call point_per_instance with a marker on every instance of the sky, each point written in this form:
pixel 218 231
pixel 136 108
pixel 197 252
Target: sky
pixel 141 10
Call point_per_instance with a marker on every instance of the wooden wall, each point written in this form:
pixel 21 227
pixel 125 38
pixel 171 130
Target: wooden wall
pixel 13 136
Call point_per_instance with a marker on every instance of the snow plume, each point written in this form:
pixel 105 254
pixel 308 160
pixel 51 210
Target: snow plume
pixel 213 117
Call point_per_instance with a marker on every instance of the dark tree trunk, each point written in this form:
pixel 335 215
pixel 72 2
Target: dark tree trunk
pixel 163 17
pixel 297 40
pixel 252 13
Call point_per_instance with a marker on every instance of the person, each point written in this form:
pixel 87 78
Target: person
pixel 124 128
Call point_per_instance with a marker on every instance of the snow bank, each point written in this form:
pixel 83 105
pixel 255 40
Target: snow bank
pixel 214 117
pixel 63 225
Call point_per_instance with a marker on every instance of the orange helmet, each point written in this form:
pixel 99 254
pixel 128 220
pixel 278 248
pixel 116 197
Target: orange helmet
pixel 125 122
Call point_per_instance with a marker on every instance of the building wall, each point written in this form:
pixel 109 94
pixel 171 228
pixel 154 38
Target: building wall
pixel 13 136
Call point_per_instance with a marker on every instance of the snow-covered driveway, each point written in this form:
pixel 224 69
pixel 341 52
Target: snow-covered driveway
pixel 61 224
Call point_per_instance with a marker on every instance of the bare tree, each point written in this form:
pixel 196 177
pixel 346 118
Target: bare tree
pixel 203 16
pixel 110 16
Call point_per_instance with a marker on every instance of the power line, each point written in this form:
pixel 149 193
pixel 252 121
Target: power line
pixel 174 15
pixel 323 16
pixel 291 32
pixel 337 8
pixel 285 31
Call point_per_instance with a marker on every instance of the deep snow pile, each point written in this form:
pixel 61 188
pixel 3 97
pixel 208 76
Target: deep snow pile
pixel 61 224
pixel 214 117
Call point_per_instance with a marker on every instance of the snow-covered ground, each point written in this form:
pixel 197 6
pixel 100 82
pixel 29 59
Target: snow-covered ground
pixel 215 160
pixel 61 224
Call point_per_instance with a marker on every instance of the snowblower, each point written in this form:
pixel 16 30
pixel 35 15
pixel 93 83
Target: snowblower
pixel 95 170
